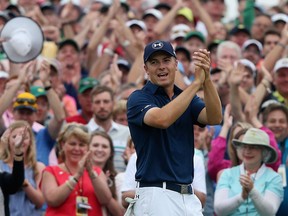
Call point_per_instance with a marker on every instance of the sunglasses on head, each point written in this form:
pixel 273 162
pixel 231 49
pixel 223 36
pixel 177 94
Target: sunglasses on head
pixel 23 100
pixel 83 128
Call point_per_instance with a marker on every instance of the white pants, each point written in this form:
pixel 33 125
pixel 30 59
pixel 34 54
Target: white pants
pixel 155 201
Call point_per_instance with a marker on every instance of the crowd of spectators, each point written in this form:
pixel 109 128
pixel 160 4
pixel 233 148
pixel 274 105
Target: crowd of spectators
pixel 92 60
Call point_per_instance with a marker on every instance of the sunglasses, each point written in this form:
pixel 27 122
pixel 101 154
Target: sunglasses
pixel 92 82
pixel 25 100
pixel 83 128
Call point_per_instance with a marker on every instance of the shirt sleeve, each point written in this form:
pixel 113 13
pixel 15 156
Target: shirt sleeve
pixel 10 183
pixel 129 182
pixel 223 204
pixel 137 106
pixel 267 204
pixel 199 175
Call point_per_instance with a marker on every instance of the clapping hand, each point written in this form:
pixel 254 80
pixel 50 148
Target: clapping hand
pixel 201 60
pixel 247 185
pixel 18 141
pixel 82 164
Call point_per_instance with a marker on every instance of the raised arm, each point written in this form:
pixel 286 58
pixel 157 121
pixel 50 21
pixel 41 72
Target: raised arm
pixel 55 124
pixel 212 113
pixel 11 90
pixel 277 52
pixel 234 81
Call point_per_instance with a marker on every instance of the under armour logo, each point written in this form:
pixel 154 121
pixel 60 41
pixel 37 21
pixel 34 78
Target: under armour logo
pixel 137 196
pixel 157 45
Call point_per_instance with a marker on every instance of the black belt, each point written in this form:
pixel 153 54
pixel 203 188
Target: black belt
pixel 180 188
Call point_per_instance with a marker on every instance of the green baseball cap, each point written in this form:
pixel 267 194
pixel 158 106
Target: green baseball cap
pixel 196 34
pixel 37 91
pixel 87 83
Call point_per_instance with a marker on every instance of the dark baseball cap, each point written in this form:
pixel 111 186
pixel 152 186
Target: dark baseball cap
pixel 183 50
pixel 87 83
pixel 196 34
pixel 239 28
pixel 38 91
pixel 70 42
pixel 157 46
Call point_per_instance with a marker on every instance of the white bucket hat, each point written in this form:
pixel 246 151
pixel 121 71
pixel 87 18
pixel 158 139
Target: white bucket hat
pixel 255 136
pixel 24 39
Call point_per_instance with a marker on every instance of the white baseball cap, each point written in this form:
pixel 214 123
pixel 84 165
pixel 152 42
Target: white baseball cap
pixel 252 42
pixel 24 39
pixel 279 17
pixel 281 63
pixel 249 64
pixel 136 22
pixel 4 74
pixel 154 12
pixel 179 30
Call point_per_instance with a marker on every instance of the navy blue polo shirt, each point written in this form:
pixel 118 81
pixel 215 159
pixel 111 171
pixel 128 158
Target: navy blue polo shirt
pixel 162 154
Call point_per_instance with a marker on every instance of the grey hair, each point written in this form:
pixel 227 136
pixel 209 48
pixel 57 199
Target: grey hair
pixel 266 155
pixel 230 45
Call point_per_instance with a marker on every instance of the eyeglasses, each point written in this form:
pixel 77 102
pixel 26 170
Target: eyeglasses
pixel 250 147
pixel 27 100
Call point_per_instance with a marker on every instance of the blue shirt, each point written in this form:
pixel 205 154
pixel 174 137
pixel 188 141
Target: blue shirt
pixel 163 154
pixel 44 145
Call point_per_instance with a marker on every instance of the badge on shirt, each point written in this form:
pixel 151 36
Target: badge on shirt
pixel 82 206
pixel 282 172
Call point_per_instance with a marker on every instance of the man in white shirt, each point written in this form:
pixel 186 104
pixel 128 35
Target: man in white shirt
pixel 102 107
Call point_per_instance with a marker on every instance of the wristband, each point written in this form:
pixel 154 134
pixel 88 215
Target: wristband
pixel 69 185
pixel 18 158
pixel 73 179
pixel 266 86
pixel 47 88
pixel 109 52
pixel 19 155
pixel 126 43
pixel 93 175
pixel 281 45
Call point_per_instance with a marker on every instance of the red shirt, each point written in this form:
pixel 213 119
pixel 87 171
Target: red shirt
pixel 68 207
pixel 77 118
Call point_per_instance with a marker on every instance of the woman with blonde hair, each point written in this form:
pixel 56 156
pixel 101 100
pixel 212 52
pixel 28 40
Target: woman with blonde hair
pixel 29 199
pixel 75 187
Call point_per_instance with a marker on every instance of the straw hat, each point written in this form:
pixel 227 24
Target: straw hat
pixel 24 39
pixel 255 136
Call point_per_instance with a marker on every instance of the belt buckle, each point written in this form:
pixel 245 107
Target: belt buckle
pixel 184 189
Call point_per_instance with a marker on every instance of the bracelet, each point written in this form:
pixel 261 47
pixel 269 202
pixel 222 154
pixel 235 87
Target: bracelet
pixel 281 45
pixel 126 43
pixel 47 88
pixel 73 179
pixel 93 175
pixel 69 185
pixel 109 52
pixel 266 86
pixel 18 158
pixel 19 155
